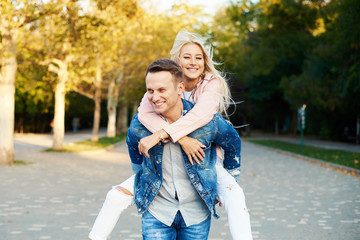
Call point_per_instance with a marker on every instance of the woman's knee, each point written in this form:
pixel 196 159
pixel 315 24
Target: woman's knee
pixel 115 196
pixel 232 192
pixel 124 190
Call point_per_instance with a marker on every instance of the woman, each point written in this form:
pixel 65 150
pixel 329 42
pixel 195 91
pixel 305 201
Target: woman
pixel 205 86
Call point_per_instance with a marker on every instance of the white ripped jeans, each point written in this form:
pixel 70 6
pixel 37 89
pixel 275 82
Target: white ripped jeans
pixel 229 193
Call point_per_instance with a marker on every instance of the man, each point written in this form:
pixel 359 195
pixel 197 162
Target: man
pixel 175 197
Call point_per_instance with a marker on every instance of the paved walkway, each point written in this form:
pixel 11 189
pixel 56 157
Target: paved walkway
pixel 60 194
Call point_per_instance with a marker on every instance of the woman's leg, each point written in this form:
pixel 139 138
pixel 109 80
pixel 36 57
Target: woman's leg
pixel 231 195
pixel 115 203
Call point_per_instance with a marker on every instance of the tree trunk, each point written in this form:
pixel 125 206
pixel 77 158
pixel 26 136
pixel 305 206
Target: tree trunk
pixel 358 130
pixel 7 93
pixel 97 100
pixel 294 122
pixel 111 109
pixel 113 95
pixel 59 116
pixel 122 121
pixel 276 126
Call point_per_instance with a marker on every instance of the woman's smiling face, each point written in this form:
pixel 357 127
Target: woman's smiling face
pixel 192 61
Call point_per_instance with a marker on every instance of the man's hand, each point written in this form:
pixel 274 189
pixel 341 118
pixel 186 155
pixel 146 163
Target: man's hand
pixel 193 149
pixel 148 142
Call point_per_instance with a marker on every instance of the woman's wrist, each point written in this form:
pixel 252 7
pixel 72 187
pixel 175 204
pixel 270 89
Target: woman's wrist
pixel 162 134
pixel 181 140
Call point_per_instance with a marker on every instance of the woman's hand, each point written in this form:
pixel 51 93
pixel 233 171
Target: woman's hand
pixel 148 142
pixel 193 149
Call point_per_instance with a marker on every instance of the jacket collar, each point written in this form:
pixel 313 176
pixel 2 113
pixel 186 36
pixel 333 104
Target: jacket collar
pixel 187 106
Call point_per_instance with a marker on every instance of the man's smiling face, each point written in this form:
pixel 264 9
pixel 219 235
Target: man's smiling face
pixel 164 93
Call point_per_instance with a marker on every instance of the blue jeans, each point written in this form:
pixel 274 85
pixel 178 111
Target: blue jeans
pixel 153 229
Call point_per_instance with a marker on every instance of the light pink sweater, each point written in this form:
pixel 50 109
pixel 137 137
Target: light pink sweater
pixel 207 98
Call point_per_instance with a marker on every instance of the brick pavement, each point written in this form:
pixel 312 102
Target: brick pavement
pixel 60 194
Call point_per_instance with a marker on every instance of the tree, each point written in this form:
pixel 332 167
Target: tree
pixel 108 26
pixel 33 86
pixel 61 32
pixel 7 84
pixel 14 16
pixel 279 35
pixel 330 76
pixel 137 39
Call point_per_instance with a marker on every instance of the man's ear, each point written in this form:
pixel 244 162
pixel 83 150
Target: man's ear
pixel 181 88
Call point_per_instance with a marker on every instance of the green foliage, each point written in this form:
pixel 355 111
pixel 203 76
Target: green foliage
pixel 22 162
pixel 344 158
pixel 277 42
pixel 80 107
pixel 34 86
pixel 290 53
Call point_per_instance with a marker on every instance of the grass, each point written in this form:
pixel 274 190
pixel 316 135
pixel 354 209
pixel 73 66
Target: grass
pixel 88 145
pixel 22 162
pixel 344 158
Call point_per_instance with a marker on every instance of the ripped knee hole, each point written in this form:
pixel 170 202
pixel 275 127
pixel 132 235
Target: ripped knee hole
pixel 124 190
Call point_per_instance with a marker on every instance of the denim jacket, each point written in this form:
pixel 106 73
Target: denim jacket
pixel 148 171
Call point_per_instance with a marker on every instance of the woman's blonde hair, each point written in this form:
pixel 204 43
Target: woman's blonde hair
pixel 185 37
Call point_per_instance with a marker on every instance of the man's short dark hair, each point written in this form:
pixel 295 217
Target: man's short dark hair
pixel 167 65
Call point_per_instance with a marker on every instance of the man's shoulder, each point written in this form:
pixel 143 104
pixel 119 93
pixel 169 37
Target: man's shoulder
pixel 135 123
pixel 135 119
pixel 187 105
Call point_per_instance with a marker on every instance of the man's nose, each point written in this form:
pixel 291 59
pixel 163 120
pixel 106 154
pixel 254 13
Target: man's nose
pixel 155 96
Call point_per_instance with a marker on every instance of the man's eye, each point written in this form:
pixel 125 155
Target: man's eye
pixel 150 91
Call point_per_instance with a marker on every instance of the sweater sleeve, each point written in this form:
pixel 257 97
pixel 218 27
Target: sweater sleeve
pixel 204 110
pixel 152 121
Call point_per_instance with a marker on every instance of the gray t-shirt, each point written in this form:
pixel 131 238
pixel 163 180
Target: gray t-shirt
pixel 176 179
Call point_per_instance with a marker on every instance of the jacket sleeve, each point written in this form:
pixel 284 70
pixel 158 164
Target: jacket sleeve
pixel 229 140
pixel 132 143
pixel 207 105
pixel 152 121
